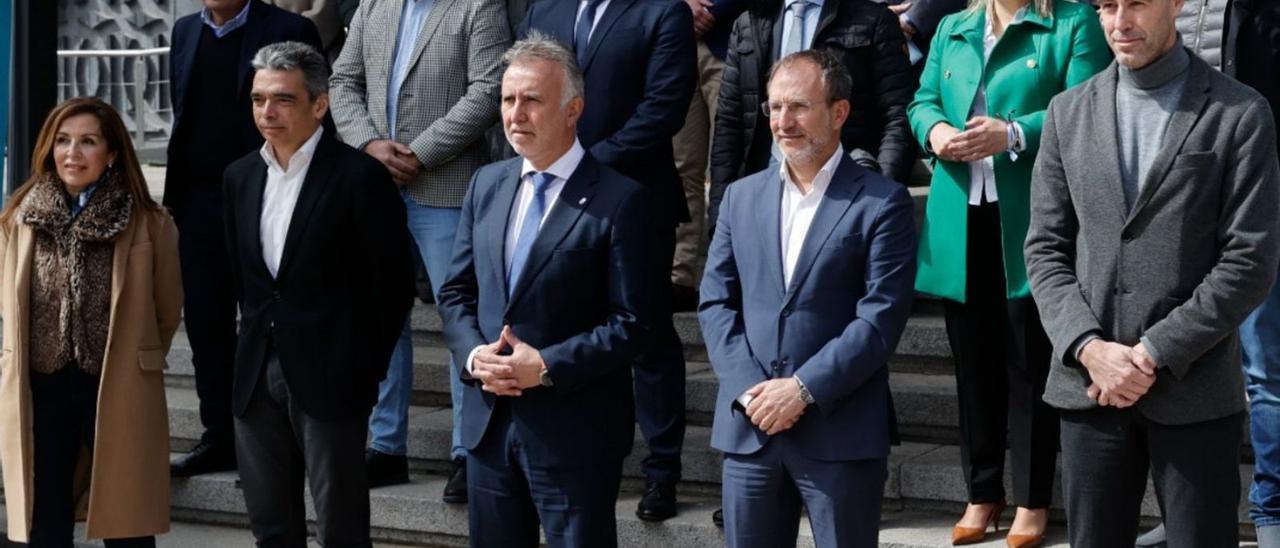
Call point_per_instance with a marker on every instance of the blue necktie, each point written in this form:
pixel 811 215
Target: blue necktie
pixel 582 33
pixel 795 40
pixel 529 228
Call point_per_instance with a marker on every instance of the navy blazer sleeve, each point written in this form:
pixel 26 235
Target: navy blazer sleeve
pixel 460 293
pixel 582 358
pixel 670 80
pixel 720 313
pixel 846 362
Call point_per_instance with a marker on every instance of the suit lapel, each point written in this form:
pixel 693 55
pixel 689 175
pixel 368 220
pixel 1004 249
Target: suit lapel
pixel 496 222
pixel 574 198
pixel 429 27
pixel 844 188
pixel 564 13
pixel 313 189
pixel 611 15
pixel 825 18
pixel 1105 149
pixel 1194 96
pixel 390 32
pixel 251 213
pixel 254 26
pixel 768 212
pixel 185 61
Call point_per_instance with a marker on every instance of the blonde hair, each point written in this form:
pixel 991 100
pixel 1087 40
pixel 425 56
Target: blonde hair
pixel 1042 7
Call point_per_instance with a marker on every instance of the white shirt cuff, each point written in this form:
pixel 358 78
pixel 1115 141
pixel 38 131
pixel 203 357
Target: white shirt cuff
pixel 471 359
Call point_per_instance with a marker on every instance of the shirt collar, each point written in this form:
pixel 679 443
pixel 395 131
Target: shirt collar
pixel 815 4
pixel 79 202
pixel 563 167
pixel 1018 17
pixel 300 158
pixel 232 24
pixel 821 180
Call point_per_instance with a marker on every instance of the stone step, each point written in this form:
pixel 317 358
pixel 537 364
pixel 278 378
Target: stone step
pixel 413 514
pixel 924 475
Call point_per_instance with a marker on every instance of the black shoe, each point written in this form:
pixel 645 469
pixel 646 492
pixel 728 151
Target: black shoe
pixel 717 517
pixel 205 458
pixel 658 503
pixel 683 299
pixel 384 469
pixel 455 490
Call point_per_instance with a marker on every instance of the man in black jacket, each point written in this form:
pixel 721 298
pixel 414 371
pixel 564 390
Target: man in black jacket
pixel 865 35
pixel 319 250
pixel 212 126
pixel 1248 33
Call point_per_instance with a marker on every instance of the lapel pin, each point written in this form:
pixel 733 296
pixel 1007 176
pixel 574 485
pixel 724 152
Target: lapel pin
pixel 946 74
pixel 1031 63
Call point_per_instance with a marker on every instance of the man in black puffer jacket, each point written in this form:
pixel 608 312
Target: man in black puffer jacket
pixel 864 34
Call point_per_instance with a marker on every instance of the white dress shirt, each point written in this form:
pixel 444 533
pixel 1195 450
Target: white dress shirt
pixel 798 210
pixel 281 195
pixel 582 6
pixel 982 173
pixel 562 168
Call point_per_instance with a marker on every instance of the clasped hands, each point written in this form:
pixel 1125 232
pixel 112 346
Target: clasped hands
pixel 775 405
pixel 507 374
pixel 398 157
pixel 1120 374
pixel 983 136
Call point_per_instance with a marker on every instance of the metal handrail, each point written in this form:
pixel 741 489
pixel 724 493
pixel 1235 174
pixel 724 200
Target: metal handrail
pixel 112 52
pixel 138 57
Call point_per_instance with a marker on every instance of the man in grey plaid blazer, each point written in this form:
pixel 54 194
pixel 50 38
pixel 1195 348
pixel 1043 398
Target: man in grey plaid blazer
pixel 416 86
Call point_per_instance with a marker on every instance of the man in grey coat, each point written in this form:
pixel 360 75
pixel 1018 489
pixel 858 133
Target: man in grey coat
pixel 1153 234
pixel 416 86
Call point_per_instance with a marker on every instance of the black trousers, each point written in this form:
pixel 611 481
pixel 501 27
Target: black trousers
pixel 210 308
pixel 660 372
pixel 1001 357
pixel 64 417
pixel 1195 469
pixel 277 444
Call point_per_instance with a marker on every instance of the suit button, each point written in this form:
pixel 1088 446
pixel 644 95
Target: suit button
pixel 786 312
pixel 275 295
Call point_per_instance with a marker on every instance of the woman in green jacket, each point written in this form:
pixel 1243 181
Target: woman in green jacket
pixel 991 72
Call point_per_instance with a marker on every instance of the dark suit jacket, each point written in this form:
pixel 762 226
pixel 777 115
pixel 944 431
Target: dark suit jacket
pixel 640 73
pixel 580 301
pixel 1195 255
pixel 925 16
pixel 344 286
pixel 834 326
pixel 265 24
pixel 866 36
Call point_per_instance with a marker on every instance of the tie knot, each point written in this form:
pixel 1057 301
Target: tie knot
pixel 798 7
pixel 542 180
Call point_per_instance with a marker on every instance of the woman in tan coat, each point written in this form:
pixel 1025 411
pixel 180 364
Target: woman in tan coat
pixel 90 295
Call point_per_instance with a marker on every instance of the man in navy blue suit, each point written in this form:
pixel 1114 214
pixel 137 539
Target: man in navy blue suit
pixel 808 287
pixel 639 61
pixel 213 126
pixel 545 309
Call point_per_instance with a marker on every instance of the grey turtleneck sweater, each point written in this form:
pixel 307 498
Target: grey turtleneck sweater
pixel 1145 101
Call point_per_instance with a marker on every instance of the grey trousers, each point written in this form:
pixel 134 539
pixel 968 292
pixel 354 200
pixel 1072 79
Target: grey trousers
pixel 276 444
pixel 1195 469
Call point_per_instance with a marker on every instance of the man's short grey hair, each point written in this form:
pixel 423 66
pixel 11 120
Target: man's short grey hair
pixel 296 55
pixel 539 46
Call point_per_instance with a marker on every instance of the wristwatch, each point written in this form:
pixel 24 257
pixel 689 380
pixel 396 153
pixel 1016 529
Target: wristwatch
pixel 805 396
pixel 544 377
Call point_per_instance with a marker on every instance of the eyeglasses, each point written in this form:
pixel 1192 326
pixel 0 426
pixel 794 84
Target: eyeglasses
pixel 799 109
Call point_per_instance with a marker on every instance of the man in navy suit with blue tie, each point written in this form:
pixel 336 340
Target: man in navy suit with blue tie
pixel 545 309
pixel 639 61
pixel 807 290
